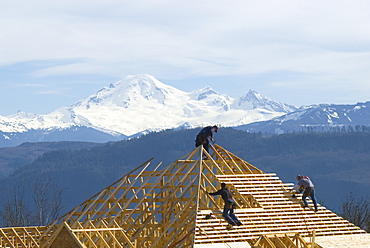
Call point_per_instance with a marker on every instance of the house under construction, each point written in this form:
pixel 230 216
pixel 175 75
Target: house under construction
pixel 166 207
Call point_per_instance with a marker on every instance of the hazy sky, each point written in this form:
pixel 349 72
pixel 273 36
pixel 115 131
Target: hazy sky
pixel 54 53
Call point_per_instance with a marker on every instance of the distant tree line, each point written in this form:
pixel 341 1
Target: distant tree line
pixel 335 129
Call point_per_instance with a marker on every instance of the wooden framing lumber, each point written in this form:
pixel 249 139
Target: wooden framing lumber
pixel 167 208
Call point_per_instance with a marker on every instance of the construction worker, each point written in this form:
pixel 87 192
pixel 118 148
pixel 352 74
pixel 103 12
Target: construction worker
pixel 306 186
pixel 203 136
pixel 229 206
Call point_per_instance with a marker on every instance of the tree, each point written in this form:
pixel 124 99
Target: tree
pixel 48 200
pixel 357 211
pixel 15 211
pixel 42 205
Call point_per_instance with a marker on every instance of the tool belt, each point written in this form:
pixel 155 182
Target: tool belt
pixel 307 191
pixel 201 139
pixel 230 204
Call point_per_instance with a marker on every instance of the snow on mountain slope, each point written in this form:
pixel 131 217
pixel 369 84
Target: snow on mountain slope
pixel 141 103
pixel 254 100
pixel 322 117
pixel 130 106
pixel 9 124
pixel 329 114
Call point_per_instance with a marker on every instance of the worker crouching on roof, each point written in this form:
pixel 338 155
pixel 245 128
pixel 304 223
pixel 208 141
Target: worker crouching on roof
pixel 306 186
pixel 229 205
pixel 203 136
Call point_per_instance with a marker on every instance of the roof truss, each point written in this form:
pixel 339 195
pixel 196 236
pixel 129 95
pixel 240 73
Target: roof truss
pixel 166 207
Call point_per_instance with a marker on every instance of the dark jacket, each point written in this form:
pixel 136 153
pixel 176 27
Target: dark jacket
pixel 224 193
pixel 206 132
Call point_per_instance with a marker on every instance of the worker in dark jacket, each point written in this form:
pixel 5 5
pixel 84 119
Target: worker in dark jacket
pixel 203 136
pixel 229 205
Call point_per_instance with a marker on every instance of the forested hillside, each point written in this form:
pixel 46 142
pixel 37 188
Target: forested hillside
pixel 338 163
pixel 12 158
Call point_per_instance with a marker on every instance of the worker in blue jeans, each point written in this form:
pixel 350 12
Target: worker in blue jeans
pixel 306 186
pixel 229 206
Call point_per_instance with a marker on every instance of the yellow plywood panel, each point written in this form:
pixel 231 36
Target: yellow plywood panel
pixel 345 241
pixel 64 239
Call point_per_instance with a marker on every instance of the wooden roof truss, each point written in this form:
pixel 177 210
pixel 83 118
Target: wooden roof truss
pixel 166 207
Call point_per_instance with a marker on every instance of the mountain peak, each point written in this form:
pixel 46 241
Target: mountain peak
pixel 254 100
pixel 203 93
pixel 254 96
pixel 131 89
pixel 143 82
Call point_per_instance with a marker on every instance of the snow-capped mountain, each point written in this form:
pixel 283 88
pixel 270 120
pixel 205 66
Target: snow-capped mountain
pixel 254 100
pixel 318 118
pixel 141 103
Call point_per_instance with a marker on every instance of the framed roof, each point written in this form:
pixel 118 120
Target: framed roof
pixel 167 207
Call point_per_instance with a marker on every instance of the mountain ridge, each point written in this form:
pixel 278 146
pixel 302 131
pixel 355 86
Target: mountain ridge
pixel 316 118
pixel 139 104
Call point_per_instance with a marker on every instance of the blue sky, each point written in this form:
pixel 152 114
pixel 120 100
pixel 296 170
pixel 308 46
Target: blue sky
pixel 54 53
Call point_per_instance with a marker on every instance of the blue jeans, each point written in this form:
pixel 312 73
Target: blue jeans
pixel 312 195
pixel 229 216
